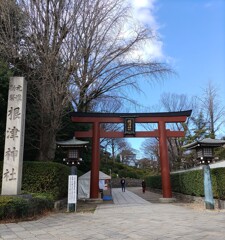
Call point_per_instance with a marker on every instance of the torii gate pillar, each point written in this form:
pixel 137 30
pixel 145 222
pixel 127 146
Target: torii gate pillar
pixel 94 185
pixel 164 161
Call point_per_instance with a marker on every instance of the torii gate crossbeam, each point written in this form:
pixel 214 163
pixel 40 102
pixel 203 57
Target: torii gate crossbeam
pixel 162 133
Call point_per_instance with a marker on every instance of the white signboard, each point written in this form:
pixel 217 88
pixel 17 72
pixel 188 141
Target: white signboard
pixel 14 137
pixel 72 189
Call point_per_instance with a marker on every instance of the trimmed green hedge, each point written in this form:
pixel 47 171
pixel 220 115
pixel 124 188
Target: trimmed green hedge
pixel 218 178
pixel 17 207
pixel 191 182
pixel 44 177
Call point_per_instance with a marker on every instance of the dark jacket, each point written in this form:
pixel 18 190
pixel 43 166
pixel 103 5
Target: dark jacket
pixel 122 182
pixel 143 184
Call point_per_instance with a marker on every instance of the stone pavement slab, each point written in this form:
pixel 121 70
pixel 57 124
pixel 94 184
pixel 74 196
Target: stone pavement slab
pixel 126 197
pixel 121 220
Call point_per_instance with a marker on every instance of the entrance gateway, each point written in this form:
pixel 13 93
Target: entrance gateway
pixel 129 120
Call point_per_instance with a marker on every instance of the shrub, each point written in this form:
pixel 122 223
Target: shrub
pixel 154 182
pixel 218 179
pixel 192 182
pixel 44 177
pixel 18 207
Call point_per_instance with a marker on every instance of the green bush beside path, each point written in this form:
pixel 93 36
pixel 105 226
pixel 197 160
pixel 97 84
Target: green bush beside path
pixel 42 184
pixel 192 182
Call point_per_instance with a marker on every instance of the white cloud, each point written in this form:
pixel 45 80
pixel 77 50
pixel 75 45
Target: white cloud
pixel 144 12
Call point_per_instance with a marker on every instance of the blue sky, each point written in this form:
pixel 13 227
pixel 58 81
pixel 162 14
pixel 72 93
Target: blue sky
pixel 192 40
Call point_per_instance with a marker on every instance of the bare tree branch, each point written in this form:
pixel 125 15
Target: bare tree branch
pixel 73 50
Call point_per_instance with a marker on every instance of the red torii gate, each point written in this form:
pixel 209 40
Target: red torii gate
pixel 129 120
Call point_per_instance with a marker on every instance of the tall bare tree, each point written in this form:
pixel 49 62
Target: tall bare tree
pixel 170 102
pixel 150 147
pixel 40 51
pixel 116 146
pixel 177 102
pixel 104 49
pixel 72 50
pixel 212 108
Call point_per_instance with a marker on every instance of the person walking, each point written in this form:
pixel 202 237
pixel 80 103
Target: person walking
pixel 123 182
pixel 143 183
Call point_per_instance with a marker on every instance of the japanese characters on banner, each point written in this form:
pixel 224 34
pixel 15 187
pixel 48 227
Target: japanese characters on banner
pixel 72 189
pixel 14 138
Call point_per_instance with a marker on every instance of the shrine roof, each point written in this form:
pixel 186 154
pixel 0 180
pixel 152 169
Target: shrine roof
pixel 72 142
pixel 206 142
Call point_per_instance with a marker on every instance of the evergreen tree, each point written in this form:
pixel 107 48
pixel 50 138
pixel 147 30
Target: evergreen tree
pixel 5 74
pixel 199 129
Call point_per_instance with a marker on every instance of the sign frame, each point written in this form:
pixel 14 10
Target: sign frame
pixel 129 126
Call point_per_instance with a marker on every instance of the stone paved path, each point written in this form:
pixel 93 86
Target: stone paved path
pixel 130 217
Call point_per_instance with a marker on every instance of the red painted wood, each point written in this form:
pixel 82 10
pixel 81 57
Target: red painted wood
pixel 175 133
pixel 164 161
pixel 140 134
pixel 94 185
pixel 83 134
pixel 97 119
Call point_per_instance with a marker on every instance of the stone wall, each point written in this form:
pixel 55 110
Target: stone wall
pixel 219 204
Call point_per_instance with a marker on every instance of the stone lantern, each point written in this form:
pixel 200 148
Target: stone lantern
pixel 204 152
pixel 73 147
pixel 73 159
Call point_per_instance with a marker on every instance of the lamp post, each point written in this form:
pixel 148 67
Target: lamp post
pixel 73 159
pixel 204 151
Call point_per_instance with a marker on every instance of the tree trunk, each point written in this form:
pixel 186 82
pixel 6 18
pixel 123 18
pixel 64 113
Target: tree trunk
pixel 47 146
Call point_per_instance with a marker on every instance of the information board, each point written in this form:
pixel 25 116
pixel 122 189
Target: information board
pixel 72 189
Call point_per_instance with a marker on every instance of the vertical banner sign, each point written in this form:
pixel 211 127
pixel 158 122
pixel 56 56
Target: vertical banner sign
pixel 72 189
pixel 14 137
pixel 129 126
